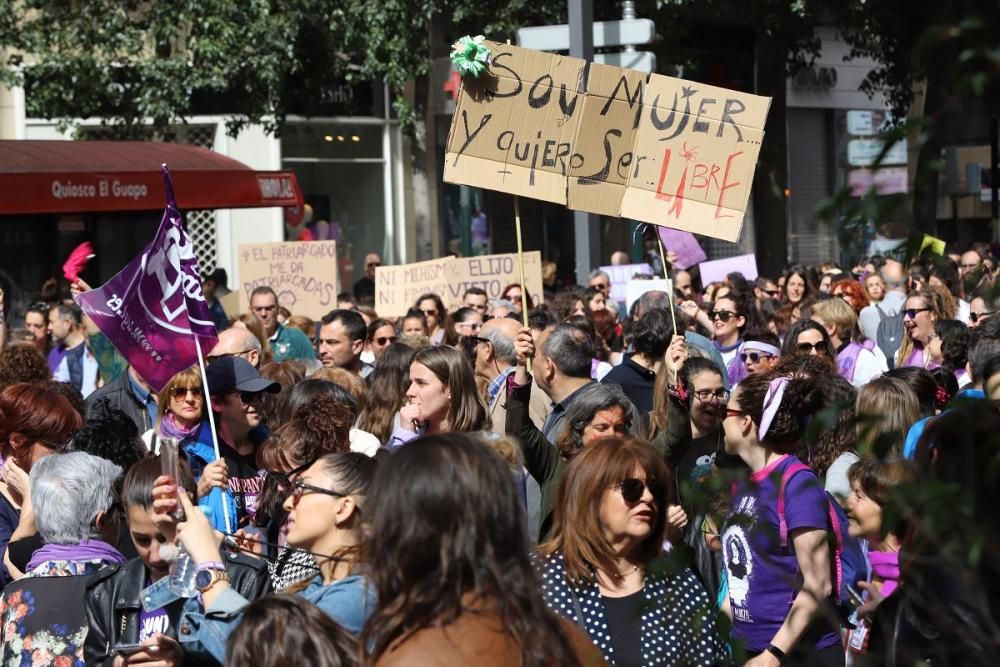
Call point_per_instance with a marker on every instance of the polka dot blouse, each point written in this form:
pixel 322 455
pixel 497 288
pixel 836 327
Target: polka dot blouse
pixel 678 620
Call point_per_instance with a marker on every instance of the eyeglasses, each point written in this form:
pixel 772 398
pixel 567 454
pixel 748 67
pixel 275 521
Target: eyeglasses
pixel 632 489
pixel 385 340
pixel 706 395
pixel 300 489
pixel 754 357
pixel 731 412
pixel 723 315
pixel 809 347
pixel 179 393
pixel 479 339
pixel 212 358
pixel 285 478
pixel 975 317
pixel 39 306
pixel 429 313
pixel 771 292
pixel 371 265
pixel 473 326
pixel 264 309
pixel 911 313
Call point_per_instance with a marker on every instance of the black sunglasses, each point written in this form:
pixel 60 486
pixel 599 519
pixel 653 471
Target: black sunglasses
pixel 382 340
pixel 723 315
pixel 632 489
pixel 754 356
pixel 975 317
pixel 913 312
pixel 809 347
pixel 285 478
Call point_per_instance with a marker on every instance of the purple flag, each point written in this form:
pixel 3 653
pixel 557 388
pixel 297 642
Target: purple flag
pixel 153 309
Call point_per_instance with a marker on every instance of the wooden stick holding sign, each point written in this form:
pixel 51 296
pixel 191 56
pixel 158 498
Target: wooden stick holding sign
pixel 663 260
pixel 520 269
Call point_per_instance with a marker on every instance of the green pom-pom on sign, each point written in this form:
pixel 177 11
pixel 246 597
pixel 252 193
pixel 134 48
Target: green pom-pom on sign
pixel 470 56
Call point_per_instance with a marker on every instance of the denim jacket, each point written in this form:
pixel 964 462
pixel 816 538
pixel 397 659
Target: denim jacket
pixel 349 601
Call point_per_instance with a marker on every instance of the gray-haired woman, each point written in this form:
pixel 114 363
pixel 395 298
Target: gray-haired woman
pixel 597 411
pixel 43 616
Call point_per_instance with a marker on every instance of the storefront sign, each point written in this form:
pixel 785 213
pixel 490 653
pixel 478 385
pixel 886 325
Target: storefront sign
pixel 397 288
pixel 867 123
pixel 890 181
pixel 863 152
pixel 608 140
pixel 302 273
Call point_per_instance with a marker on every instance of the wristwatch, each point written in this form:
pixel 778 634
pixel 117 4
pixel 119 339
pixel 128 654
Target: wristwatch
pixel 209 574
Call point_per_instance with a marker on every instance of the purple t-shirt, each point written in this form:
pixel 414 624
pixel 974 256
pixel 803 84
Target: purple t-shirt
pixel 56 355
pixel 763 577
pixel 153 621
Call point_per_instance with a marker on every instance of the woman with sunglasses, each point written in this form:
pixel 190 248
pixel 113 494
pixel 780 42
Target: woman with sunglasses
pixel 921 310
pixel 461 325
pixel 858 359
pixel 806 338
pixel 513 294
pixel 779 573
pixel 432 308
pixel 731 316
pixel 181 416
pixel 604 568
pixel 761 351
pixel 324 508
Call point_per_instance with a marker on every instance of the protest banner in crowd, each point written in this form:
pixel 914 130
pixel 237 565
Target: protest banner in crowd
pixel 398 287
pixel 689 252
pixel 608 140
pixel 716 270
pixel 621 274
pixel 302 273
pixel 152 309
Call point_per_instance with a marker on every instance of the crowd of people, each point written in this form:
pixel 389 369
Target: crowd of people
pixel 792 470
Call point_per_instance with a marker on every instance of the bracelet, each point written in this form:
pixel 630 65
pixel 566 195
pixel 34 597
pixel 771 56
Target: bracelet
pixel 776 652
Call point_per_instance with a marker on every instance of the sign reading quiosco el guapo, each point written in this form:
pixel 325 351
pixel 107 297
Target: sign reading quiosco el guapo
pixel 608 140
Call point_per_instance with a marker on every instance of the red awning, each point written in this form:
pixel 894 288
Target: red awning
pixel 90 176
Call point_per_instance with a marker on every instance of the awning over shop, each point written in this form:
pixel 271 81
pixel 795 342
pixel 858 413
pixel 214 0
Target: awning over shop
pixel 93 176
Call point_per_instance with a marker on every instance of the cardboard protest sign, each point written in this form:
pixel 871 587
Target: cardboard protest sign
pixel 302 273
pixel 608 140
pixel 398 287
pixel 636 288
pixel 717 269
pixel 689 252
pixel 621 274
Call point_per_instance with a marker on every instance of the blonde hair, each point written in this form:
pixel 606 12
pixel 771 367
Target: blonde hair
pixel 189 377
pixel 942 306
pixel 304 324
pixel 354 385
pixel 886 408
pixel 838 314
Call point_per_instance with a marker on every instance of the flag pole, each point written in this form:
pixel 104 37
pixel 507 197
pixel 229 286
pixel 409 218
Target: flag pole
pixel 211 423
pixel 663 261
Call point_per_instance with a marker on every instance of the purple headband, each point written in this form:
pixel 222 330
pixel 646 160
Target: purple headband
pixel 772 401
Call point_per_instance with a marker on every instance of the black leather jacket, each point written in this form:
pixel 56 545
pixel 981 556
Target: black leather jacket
pixel 114 606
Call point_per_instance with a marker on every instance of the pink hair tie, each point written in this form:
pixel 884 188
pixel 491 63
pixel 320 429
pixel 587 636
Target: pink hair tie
pixel 772 401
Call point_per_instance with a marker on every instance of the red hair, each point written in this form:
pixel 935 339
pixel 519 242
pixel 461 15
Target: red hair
pixel 855 292
pixel 38 414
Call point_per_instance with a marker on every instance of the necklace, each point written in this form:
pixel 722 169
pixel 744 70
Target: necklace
pixel 622 575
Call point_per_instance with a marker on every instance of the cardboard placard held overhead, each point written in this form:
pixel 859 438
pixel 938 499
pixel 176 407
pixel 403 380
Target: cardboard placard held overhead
pixel 302 273
pixel 608 140
pixel 636 288
pixel 397 288
pixel 716 270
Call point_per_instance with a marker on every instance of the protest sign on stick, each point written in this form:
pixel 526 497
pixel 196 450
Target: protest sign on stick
pixel 302 273
pixel 716 270
pixel 608 140
pixel 398 287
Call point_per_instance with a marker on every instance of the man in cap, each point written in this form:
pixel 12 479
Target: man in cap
pixel 236 389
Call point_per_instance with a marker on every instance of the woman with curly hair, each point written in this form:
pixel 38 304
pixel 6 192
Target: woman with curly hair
pixel 779 572
pixel 22 362
pixel 949 348
pixel 448 559
pixel 921 310
pixel 852 292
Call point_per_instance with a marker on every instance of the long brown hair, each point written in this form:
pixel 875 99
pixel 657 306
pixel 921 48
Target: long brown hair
pixel 467 412
pixel 448 533
pixel 576 528
pixel 386 391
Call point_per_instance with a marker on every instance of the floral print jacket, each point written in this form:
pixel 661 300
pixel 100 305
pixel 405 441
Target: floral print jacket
pixel 42 616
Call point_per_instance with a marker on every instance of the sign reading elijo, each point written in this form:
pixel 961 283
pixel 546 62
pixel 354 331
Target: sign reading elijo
pixel 608 140
pixel 398 287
